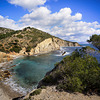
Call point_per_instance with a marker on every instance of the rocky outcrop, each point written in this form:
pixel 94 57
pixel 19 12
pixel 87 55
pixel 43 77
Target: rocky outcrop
pixel 5 57
pixel 51 93
pixel 51 44
pixel 4 74
pixel 30 41
pixel 23 52
pixel 48 45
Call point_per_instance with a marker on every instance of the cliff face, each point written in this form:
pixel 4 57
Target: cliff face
pixel 48 45
pixel 30 41
pixel 45 46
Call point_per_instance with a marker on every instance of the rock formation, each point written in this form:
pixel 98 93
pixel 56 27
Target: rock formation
pixel 30 41
pixel 51 44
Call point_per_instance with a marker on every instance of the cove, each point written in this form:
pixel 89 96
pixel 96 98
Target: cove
pixel 31 69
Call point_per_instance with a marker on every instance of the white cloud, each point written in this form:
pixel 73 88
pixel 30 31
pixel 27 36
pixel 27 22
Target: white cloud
pixel 27 4
pixel 8 23
pixel 43 17
pixel 61 24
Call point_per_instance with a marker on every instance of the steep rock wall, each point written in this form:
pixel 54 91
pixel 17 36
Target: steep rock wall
pixel 50 44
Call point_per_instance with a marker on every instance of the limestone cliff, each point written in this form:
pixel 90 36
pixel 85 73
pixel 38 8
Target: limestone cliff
pixel 30 41
pixel 48 45
pixel 51 44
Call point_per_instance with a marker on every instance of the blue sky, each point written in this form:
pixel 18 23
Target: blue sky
pixel 74 20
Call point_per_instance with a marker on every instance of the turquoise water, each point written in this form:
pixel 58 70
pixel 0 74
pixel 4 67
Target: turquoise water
pixel 30 70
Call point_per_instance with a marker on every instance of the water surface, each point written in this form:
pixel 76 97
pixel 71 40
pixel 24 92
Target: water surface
pixel 30 70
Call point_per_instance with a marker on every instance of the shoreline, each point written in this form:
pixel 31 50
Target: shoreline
pixel 6 87
pixel 6 92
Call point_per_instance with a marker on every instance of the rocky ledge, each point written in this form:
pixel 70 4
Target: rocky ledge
pixel 51 93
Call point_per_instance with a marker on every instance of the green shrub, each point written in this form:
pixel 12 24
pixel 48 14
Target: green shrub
pixel 76 73
pixel 28 49
pixel 2 49
pixel 43 87
pixel 36 92
pixel 19 36
pixel 9 34
pixel 0 45
pixel 48 79
pixel 15 49
pixel 16 41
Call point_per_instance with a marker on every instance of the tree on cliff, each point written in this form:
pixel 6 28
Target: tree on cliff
pixel 95 40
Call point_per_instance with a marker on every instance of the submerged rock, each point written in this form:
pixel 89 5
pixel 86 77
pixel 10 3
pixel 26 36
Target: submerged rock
pixel 63 53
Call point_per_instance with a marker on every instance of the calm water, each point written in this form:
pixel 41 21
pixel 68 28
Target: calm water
pixel 30 70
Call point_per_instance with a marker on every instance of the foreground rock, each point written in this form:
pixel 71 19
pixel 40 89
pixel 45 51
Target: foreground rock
pixel 6 93
pixel 3 95
pixel 50 93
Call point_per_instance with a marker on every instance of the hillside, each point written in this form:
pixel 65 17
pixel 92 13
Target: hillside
pixel 74 76
pixel 5 31
pixel 30 41
pixel 76 73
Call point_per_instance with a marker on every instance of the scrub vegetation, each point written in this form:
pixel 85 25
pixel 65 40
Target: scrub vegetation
pixel 78 72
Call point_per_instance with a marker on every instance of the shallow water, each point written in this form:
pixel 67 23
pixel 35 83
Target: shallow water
pixel 30 70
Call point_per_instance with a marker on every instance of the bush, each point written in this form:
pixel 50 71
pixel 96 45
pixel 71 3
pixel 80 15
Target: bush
pixel 15 49
pixel 36 92
pixel 43 87
pixel 76 73
pixel 28 49
pixel 19 36
pixel 16 41
pixel 0 45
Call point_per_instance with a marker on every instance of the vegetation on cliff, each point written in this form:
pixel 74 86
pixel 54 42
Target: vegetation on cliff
pixel 5 30
pixel 95 40
pixel 28 38
pixel 16 40
pixel 78 72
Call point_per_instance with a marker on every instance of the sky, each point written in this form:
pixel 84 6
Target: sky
pixel 72 20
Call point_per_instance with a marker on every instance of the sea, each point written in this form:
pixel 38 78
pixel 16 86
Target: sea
pixel 30 70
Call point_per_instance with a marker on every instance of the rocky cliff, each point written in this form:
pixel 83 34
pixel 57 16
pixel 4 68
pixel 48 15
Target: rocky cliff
pixel 50 44
pixel 30 41
pixel 5 57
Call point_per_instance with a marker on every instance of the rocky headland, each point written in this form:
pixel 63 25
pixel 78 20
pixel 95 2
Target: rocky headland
pixel 30 41
pixel 26 42
pixel 76 77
